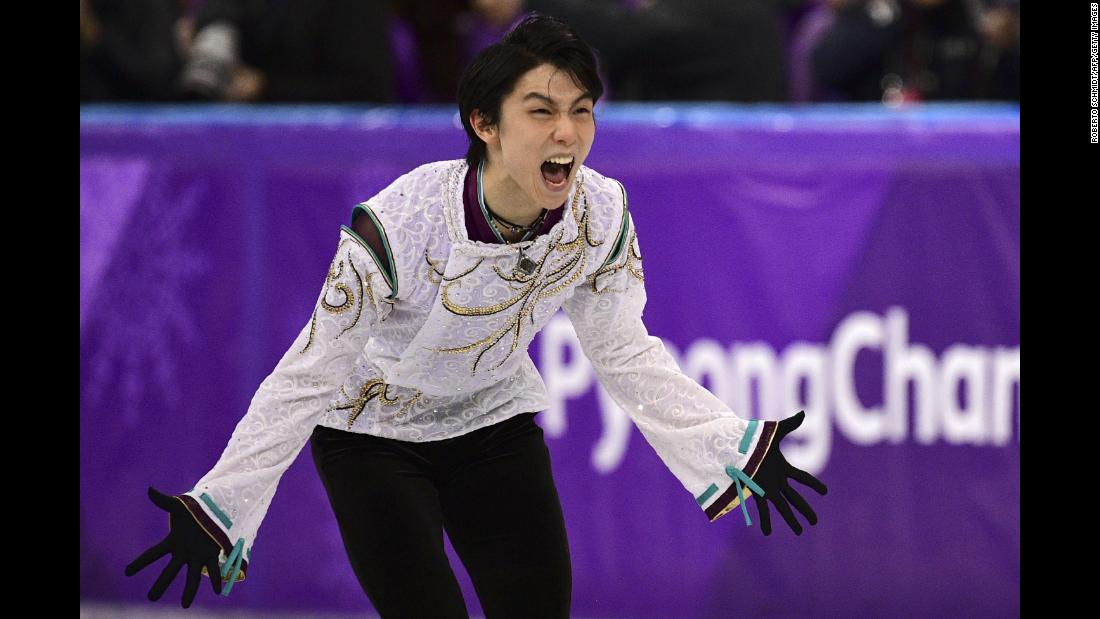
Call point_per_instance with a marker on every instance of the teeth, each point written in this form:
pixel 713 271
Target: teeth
pixel 561 160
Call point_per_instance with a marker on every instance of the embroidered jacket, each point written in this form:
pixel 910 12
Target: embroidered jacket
pixel 427 340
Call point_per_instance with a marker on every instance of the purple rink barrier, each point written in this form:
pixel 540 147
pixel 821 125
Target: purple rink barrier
pixel 860 263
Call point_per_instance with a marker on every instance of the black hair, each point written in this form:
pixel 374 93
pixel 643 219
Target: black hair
pixel 493 73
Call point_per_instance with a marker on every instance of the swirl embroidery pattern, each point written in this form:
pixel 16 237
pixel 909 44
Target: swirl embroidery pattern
pixel 632 263
pixel 375 388
pixel 549 278
pixel 434 266
pixel 336 271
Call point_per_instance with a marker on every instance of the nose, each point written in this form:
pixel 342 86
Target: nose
pixel 565 130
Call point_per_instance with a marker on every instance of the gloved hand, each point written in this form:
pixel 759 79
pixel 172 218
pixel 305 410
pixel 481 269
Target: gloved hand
pixel 189 545
pixel 772 477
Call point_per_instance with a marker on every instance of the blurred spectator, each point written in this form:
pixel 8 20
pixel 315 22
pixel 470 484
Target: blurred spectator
pixel 429 48
pixel 670 50
pixel 413 51
pixel 914 50
pixel 805 34
pixel 130 50
pixel 857 49
pixel 291 50
pixel 1000 56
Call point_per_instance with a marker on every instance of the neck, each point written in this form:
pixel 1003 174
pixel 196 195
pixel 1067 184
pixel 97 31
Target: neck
pixel 506 198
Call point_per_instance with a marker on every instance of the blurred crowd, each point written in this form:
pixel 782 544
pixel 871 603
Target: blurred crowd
pixel 409 51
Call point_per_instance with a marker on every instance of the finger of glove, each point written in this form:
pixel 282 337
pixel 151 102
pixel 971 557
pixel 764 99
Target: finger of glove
pixel 806 479
pixel 215 575
pixel 800 504
pixel 789 424
pixel 765 515
pixel 148 557
pixel 191 587
pixel 788 515
pixel 161 500
pixel 165 579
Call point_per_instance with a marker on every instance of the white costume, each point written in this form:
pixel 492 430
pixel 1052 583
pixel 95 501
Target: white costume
pixel 429 342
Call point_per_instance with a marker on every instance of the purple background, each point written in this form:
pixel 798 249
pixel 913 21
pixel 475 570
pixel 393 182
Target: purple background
pixel 205 233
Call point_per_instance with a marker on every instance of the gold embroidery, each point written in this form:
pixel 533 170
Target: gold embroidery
pixel 434 266
pixel 544 281
pixel 375 388
pixel 349 298
pixel 312 330
pixel 369 288
pixel 631 258
pixel 579 257
pixel 335 271
pixel 635 257
pixel 359 308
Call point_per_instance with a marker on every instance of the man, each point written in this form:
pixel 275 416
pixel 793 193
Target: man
pixel 412 376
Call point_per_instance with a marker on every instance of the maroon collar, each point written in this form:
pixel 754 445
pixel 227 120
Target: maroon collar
pixel 477 227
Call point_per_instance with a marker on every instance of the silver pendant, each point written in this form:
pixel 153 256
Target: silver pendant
pixel 526 264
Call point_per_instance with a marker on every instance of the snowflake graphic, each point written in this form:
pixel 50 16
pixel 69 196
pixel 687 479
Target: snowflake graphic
pixel 139 318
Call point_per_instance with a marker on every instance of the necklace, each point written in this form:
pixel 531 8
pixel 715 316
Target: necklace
pixel 524 263
pixel 514 228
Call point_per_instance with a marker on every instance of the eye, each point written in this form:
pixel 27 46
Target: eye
pixel 541 111
pixel 583 110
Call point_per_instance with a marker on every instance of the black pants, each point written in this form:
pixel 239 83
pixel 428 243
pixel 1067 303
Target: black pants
pixel 493 491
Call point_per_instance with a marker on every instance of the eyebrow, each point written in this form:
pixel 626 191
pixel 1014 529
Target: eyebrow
pixel 549 101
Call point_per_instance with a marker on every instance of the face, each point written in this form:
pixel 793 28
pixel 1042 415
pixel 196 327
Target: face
pixel 546 116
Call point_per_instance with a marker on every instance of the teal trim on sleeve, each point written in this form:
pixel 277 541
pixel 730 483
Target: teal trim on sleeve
pixel 381 265
pixel 626 203
pixel 217 512
pixel 624 227
pixel 747 439
pixel 702 498
pixel 232 567
pixel 386 245
pixel 736 473
pixel 738 476
pixel 233 555
pixel 744 510
pixel 362 241
pixel 386 267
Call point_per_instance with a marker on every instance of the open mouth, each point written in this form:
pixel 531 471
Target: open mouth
pixel 555 170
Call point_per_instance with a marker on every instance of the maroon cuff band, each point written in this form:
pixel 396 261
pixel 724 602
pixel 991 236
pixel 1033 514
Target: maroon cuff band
pixel 767 433
pixel 212 529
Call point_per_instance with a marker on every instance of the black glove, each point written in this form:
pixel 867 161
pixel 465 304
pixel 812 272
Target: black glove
pixel 189 544
pixel 772 476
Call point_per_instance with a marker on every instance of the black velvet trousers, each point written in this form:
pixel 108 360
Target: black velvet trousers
pixel 491 489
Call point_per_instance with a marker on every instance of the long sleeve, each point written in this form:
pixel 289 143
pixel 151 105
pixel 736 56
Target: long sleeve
pixel 701 441
pixel 232 499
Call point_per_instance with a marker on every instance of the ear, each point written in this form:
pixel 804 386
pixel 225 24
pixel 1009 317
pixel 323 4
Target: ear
pixel 482 128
